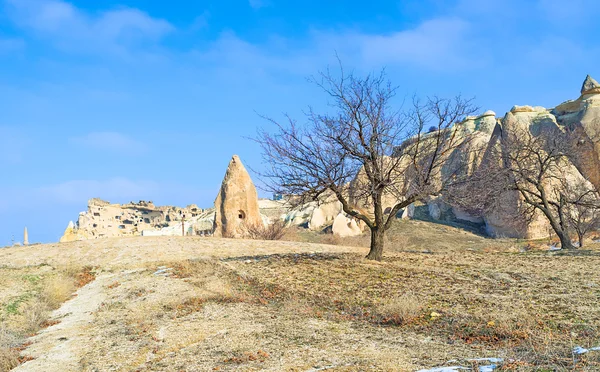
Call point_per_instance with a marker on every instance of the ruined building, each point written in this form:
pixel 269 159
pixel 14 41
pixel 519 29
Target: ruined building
pixel 103 219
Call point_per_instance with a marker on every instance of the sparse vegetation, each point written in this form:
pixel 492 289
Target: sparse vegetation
pixel 440 293
pixel 273 231
pixel 41 291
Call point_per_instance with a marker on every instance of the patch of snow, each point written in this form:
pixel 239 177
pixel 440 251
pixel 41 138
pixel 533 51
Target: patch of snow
pixel 581 350
pixel 162 270
pixel 495 363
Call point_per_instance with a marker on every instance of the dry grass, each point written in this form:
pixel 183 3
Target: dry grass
pixel 414 236
pixel 57 290
pixel 455 295
pixel 9 358
pixel 273 231
pixel 529 307
pixel 39 290
pixel 400 310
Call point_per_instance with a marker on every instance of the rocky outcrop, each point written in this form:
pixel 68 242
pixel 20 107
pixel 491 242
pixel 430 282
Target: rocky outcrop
pixel 236 204
pixel 105 220
pixel 344 226
pixel 590 86
pixel 577 122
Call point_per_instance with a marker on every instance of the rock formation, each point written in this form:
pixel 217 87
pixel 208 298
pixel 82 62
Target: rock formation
pixel 577 120
pixel 236 204
pixel 104 220
pixel 344 226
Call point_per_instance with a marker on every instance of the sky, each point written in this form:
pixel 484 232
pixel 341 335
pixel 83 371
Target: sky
pixel 148 100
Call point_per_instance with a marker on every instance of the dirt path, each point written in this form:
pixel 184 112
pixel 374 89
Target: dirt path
pixel 98 328
pixel 56 348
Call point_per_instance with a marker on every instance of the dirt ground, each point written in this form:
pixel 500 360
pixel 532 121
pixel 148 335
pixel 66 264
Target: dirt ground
pixel 441 297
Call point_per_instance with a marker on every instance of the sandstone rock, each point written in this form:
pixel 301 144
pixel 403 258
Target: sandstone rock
pixel 69 235
pixel 105 220
pixel 408 212
pixel 461 215
pixel 344 226
pixel 236 204
pixel 324 214
pixel 435 211
pixel 590 86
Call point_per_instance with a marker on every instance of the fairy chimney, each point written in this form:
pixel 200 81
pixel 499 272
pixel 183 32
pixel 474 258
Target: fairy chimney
pixel 236 204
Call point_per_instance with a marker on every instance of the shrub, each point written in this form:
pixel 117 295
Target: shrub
pixel 57 290
pixel 272 231
pixel 400 309
pixel 9 355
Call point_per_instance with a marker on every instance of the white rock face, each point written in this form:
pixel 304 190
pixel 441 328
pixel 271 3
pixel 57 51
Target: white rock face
pixel 408 212
pixel 344 226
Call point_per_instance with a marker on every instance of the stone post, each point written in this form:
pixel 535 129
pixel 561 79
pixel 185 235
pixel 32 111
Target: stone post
pixel 25 237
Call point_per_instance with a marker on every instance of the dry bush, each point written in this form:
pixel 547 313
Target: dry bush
pixel 82 274
pixel 272 231
pixel 35 313
pixel 331 239
pixel 400 309
pixel 57 290
pixel 9 355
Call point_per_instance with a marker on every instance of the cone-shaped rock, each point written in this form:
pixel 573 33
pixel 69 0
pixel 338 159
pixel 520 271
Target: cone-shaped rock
pixel 590 86
pixel 237 202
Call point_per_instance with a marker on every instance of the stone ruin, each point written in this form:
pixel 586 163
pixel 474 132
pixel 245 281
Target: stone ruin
pixel 104 220
pixel 236 204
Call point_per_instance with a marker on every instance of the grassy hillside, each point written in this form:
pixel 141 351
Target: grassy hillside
pixel 172 304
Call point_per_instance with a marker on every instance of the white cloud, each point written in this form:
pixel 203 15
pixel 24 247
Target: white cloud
pixel 200 22
pixel 70 28
pixel 257 4
pixel 110 141
pixel 113 189
pixel 436 44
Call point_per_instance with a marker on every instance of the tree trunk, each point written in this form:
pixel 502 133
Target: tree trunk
pixel 580 236
pixel 376 251
pixel 565 240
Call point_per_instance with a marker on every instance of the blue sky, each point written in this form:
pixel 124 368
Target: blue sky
pixel 132 99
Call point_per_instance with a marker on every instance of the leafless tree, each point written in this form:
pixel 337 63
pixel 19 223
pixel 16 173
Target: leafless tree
pixel 396 152
pixel 584 207
pixel 538 168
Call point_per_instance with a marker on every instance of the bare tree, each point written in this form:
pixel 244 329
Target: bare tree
pixel 538 168
pixel 395 154
pixel 584 207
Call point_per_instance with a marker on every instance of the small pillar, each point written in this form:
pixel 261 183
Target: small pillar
pixel 25 237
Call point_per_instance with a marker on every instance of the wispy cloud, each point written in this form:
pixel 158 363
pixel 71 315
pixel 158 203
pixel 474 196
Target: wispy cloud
pixel 11 44
pixel 68 27
pixel 437 43
pixel 109 141
pixel 13 145
pixel 257 4
pixel 113 189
